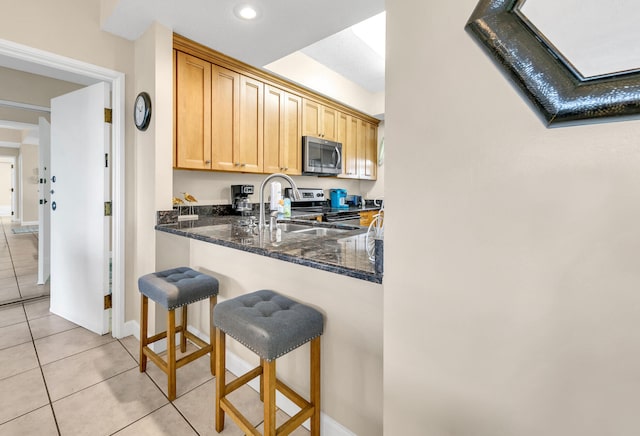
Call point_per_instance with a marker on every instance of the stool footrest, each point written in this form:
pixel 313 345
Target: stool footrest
pixel 295 421
pixel 243 379
pixel 291 394
pixel 239 419
pixel 161 335
pixel 193 338
pixel 155 358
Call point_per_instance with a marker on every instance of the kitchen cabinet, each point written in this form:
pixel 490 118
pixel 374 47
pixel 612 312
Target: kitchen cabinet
pixel 237 122
pixel 368 156
pixel 225 85
pixel 193 112
pixel 219 117
pixel 230 116
pixel 282 131
pixel 319 120
pixel 359 140
pixel 348 137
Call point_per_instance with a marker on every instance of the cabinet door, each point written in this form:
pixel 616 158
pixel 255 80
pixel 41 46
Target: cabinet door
pixel 329 120
pixel 311 114
pixel 348 136
pixel 291 147
pixel 282 132
pixel 225 113
pixel 248 153
pixel 274 116
pixel 193 112
pixel 370 157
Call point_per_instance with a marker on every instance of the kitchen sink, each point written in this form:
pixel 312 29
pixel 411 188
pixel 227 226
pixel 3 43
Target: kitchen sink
pixel 314 229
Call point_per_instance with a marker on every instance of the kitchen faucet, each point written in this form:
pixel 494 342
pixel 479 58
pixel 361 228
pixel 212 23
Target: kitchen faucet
pixel 294 190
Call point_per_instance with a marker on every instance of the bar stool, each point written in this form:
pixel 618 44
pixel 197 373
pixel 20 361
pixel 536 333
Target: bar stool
pixel 270 325
pixel 173 289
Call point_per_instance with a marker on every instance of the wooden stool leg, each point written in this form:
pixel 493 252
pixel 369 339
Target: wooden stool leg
pixel 315 386
pixel 269 376
pixel 212 334
pixel 144 305
pixel 183 338
pixel 220 378
pixel 171 353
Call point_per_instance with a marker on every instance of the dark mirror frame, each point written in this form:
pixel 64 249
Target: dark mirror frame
pixel 559 95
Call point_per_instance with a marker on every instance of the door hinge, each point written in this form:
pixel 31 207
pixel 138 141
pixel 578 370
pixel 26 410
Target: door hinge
pixel 107 208
pixel 107 301
pixel 108 115
pixel 106 160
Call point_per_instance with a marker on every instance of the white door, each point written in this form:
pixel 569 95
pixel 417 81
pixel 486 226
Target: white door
pixel 80 144
pixel 44 198
pixel 6 188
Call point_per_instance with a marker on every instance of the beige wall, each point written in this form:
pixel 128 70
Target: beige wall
pixel 153 154
pixel 308 72
pixel 21 87
pixel 29 164
pixel 512 307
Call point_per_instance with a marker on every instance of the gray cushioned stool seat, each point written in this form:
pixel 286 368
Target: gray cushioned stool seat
pixel 177 287
pixel 267 323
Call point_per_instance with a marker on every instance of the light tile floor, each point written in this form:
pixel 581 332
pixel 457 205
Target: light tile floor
pixel 18 264
pixel 59 379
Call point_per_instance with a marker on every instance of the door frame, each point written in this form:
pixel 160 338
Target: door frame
pixel 73 68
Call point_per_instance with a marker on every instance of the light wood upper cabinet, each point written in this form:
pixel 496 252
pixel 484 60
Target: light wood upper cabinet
pixel 282 131
pixel 348 136
pixel 230 116
pixel 319 120
pixel 225 117
pixel 193 112
pixel 367 160
pixel 236 121
pixel 248 153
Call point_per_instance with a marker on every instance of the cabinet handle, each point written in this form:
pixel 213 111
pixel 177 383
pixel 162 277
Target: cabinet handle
pixel 207 162
pixel 243 165
pixel 237 164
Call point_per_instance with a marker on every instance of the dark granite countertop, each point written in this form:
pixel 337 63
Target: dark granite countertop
pixel 341 253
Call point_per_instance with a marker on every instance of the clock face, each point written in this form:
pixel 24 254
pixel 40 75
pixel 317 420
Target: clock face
pixel 142 111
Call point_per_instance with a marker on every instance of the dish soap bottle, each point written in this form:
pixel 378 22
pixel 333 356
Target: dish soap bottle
pixel 287 207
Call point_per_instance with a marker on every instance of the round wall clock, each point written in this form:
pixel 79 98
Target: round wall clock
pixel 142 111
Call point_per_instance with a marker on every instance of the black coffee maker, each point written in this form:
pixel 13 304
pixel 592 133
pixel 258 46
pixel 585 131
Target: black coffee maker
pixel 240 198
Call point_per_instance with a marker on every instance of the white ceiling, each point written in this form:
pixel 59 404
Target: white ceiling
pixel 282 27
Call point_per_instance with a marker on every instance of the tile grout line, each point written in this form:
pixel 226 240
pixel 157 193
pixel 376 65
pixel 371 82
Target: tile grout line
pixel 44 380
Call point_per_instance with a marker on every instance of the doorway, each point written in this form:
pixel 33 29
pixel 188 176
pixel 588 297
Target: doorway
pixel 7 166
pixel 48 64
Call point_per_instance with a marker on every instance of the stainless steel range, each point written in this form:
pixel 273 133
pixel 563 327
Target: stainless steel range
pixel 312 200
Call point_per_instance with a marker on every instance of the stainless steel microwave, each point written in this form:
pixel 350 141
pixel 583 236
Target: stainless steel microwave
pixel 321 157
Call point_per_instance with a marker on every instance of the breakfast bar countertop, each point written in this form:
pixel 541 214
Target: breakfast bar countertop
pixel 341 252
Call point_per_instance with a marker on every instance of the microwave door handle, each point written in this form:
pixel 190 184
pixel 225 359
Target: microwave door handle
pixel 339 162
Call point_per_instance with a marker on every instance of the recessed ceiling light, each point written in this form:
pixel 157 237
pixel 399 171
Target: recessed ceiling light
pixel 246 12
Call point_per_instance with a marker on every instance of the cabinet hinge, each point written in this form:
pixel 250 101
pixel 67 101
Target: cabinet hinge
pixel 107 115
pixel 107 208
pixel 107 301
